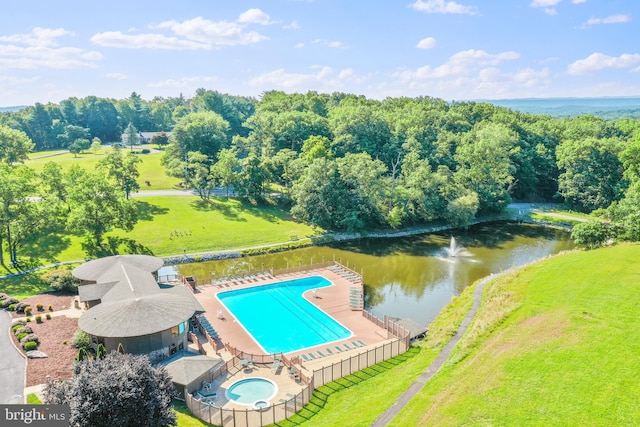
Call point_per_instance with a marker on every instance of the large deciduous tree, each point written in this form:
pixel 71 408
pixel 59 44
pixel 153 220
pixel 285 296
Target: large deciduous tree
pixel 117 390
pixel 591 173
pixel 206 132
pixel 15 145
pixel 123 169
pixel 97 205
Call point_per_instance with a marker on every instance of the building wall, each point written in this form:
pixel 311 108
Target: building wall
pixel 157 345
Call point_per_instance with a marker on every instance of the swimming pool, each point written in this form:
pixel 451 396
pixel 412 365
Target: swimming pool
pixel 252 391
pixel 280 319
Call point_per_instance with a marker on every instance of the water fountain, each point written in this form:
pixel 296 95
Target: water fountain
pixel 454 250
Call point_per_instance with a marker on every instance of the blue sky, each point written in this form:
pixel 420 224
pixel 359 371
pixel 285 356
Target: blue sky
pixel 455 50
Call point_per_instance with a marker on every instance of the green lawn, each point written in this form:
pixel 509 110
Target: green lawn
pixel 150 168
pixel 170 224
pixel 556 344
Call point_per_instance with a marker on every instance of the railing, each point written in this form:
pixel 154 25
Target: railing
pixel 359 361
pixel 249 417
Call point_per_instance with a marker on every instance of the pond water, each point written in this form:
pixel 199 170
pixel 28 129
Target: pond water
pixel 412 277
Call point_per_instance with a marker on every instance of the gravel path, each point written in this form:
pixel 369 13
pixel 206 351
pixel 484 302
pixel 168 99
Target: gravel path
pixel 433 368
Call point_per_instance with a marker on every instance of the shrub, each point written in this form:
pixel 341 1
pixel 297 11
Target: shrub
pixel 16 328
pixel 50 307
pixel 61 280
pixel 38 318
pixel 40 306
pixel 64 342
pixel 8 301
pixel 11 307
pixel 145 151
pixel 30 338
pixel 48 316
pixel 23 330
pixel 22 335
pixel 27 310
pixel 28 319
pixel 80 339
pixel 31 345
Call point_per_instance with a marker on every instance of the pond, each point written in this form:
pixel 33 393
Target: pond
pixel 412 277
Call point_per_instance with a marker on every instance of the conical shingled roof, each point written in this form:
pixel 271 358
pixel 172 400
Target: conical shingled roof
pixel 135 304
pixel 95 269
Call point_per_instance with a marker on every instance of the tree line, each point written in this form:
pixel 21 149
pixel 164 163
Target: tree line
pixel 346 162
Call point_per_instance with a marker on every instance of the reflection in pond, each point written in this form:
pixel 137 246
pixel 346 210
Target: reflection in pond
pixel 413 276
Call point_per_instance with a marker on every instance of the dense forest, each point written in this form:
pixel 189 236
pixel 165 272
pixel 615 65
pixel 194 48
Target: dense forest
pixel 345 162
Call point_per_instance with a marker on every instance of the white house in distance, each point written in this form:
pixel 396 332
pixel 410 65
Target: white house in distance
pixel 145 137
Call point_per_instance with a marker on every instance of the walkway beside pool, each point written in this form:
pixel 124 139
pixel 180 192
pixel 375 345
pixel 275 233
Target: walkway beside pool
pixel 333 300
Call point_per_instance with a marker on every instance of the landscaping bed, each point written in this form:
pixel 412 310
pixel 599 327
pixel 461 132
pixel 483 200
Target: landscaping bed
pixel 57 301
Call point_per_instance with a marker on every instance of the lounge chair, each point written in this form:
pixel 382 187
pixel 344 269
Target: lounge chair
pixel 357 344
pixel 329 351
pixel 347 346
pixel 312 356
pixel 321 354
pixel 275 365
pixel 304 356
pixel 339 349
pixel 362 343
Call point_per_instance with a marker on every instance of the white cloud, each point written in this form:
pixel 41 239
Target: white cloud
pixel 442 6
pixel 611 19
pixel 544 3
pixel 147 40
pixel 192 34
pixel 184 82
pixel 550 11
pixel 461 64
pixel 426 43
pixel 293 26
pixel 254 16
pixel 38 37
pixel 214 33
pixel 331 44
pixel 578 1
pixel 325 78
pixel 38 49
pixel 299 45
pixel 116 76
pixel 599 61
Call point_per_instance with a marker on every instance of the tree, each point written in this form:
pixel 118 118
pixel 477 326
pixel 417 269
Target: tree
pixel 591 173
pixel 20 217
pixel 117 390
pixel 252 177
pixel 205 132
pixel 462 210
pixel 321 198
pixel 130 136
pixel 96 205
pixel 15 145
pixel 225 168
pixel 95 145
pixel 484 165
pixel 123 169
pixel 593 234
pixel 199 175
pixel 160 139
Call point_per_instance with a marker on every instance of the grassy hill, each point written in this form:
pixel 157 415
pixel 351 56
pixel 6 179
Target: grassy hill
pixel 555 344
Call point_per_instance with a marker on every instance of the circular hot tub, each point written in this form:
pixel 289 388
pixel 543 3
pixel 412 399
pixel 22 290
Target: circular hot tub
pixel 260 405
pixel 255 392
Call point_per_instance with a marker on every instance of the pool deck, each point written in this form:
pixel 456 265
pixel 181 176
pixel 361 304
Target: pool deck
pixel 333 300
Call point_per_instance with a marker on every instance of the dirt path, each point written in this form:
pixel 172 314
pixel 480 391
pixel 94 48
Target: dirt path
pixel 435 366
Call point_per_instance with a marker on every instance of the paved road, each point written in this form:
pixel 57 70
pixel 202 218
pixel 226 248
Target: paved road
pixel 12 368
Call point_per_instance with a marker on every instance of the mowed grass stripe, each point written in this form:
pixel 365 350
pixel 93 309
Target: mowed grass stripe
pixel 568 354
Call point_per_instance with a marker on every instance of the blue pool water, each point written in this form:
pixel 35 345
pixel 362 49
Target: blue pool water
pixel 250 390
pixel 280 319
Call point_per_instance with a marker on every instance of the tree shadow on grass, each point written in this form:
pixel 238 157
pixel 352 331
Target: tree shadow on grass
pixel 229 211
pixel 114 246
pixel 146 210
